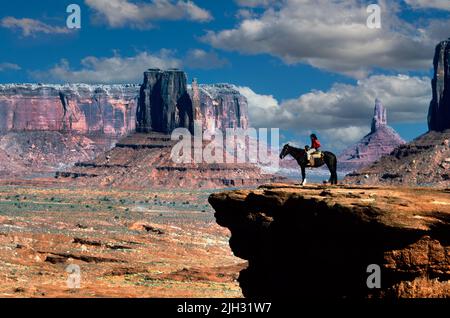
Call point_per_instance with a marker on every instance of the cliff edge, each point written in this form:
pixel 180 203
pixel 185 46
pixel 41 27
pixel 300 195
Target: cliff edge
pixel 319 242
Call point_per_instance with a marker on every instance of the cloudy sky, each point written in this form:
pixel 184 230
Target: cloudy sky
pixel 305 66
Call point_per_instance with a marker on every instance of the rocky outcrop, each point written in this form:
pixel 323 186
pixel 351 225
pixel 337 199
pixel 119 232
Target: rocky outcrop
pixel 439 111
pixel 426 160
pixel 381 140
pixel 77 108
pixel 142 161
pixel 423 162
pixel 318 242
pixel 164 102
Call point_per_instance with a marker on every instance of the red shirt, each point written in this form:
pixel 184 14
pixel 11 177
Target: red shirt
pixel 315 144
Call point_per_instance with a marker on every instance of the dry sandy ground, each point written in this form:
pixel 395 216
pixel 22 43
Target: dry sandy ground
pixel 153 243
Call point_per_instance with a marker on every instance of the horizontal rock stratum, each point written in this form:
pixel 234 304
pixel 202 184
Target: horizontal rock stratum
pixel 80 108
pixel 317 242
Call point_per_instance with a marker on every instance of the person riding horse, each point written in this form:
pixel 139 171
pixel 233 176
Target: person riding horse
pixel 305 159
pixel 315 145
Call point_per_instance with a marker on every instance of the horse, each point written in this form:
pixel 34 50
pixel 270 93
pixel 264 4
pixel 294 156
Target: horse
pixel 327 158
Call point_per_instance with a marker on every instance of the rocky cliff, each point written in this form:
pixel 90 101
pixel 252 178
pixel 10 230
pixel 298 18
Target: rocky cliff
pixel 439 111
pixel 423 162
pixel 381 140
pixel 97 116
pixel 318 242
pixel 164 102
pixel 221 106
pixel 78 108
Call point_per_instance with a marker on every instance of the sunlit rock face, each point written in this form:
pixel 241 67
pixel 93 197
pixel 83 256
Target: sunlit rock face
pixel 381 140
pixel 79 108
pixel 439 111
pixel 222 107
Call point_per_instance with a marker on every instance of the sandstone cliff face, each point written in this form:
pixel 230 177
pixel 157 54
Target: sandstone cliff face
pixel 105 113
pixel 317 242
pixel 221 106
pixel 84 109
pixel 164 102
pixel 381 140
pixel 439 111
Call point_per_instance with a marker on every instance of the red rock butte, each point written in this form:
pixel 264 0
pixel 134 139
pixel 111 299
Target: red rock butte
pixel 143 159
pixel 381 140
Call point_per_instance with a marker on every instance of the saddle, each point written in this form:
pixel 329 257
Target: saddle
pixel 316 157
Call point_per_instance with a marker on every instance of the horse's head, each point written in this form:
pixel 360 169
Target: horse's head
pixel 284 151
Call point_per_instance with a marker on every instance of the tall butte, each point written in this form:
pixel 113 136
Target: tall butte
pixel 164 102
pixel 439 111
pixel 381 140
pixel 143 159
pixel 425 161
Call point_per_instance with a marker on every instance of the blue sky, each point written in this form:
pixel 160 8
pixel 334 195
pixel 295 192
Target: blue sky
pixel 304 65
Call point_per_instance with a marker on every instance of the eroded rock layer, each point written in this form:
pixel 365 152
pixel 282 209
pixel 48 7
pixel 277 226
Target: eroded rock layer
pixel 423 162
pixel 317 242
pixel 77 108
pixel 97 116
pixel 142 161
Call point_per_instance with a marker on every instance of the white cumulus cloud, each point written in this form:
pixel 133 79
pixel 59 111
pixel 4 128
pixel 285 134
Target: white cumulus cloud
pixel 344 112
pixel 333 35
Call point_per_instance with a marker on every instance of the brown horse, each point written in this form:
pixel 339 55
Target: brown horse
pixel 298 154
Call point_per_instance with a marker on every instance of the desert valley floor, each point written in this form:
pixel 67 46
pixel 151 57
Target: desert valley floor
pixel 127 243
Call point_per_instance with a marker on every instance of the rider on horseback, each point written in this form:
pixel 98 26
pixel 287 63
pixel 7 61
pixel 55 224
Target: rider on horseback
pixel 315 145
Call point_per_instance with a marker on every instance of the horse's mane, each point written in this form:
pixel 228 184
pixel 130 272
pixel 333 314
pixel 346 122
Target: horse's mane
pixel 296 149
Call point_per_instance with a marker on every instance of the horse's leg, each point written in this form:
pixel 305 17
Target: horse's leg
pixel 332 166
pixel 303 175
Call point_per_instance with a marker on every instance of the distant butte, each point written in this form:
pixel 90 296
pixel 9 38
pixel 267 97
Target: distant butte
pixel 381 140
pixel 143 159
pixel 426 160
